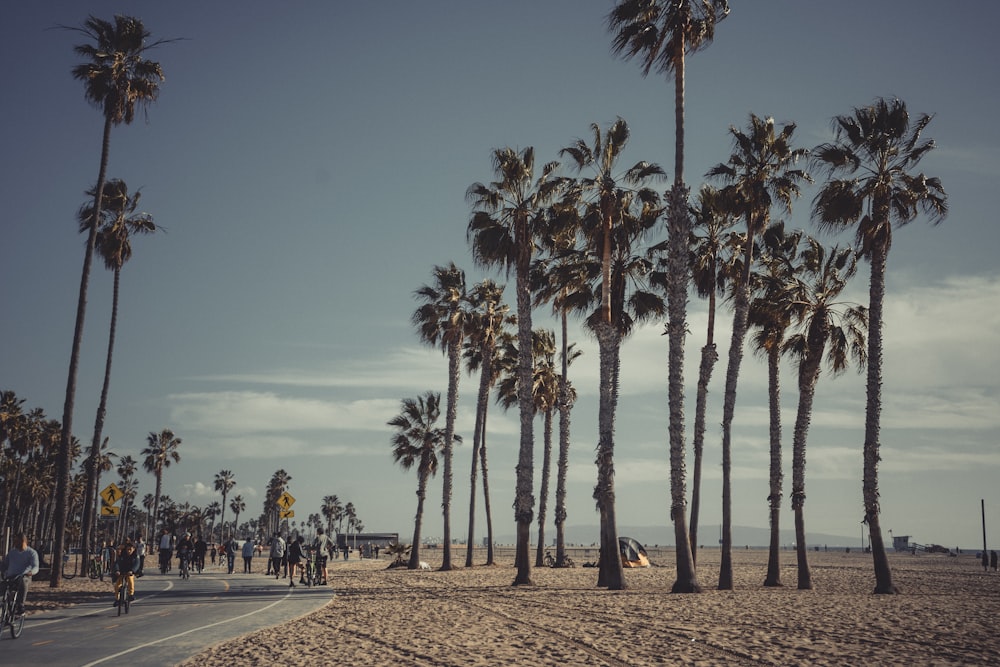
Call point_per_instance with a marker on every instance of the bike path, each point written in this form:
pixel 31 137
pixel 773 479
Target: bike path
pixel 171 620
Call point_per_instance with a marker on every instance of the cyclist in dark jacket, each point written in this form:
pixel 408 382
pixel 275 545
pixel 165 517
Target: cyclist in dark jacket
pixel 125 566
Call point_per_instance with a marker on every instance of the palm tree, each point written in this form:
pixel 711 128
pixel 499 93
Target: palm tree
pixel 759 174
pixel 661 33
pixel 117 223
pixel 160 451
pixel 127 467
pixel 275 487
pixel 442 319
pixel 416 443
pixel 874 150
pixel 820 322
pixel 489 318
pixel 769 317
pixel 237 505
pixel 709 250
pixel 560 279
pixel 506 220
pixel 212 511
pixel 617 210
pixel 331 511
pixel 224 483
pixel 117 78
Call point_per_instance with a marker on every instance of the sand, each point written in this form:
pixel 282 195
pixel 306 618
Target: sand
pixel 948 614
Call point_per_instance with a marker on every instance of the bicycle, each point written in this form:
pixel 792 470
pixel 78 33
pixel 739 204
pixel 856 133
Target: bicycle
pixel 8 608
pixel 94 569
pixel 123 600
pixel 68 571
pixel 309 577
pixel 185 558
pixel 551 562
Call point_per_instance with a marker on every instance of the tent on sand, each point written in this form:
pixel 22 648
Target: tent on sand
pixel 633 553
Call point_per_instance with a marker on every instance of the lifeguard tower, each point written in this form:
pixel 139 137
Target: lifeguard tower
pixel 901 543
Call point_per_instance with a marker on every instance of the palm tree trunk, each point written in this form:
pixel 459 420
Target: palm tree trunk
pixel 95 445
pixel 678 268
pixel 873 412
pixel 490 556
pixel 610 574
pixel 544 491
pixel 709 357
pixel 454 368
pixel 65 441
pixel 483 397
pixel 808 377
pixel 728 410
pixel 563 464
pixel 773 577
pixel 524 500
pixel 415 549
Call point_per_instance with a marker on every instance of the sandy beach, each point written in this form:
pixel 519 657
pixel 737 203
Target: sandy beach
pixel 947 614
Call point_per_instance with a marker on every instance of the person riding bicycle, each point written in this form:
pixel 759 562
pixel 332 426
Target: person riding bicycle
pixel 200 549
pixel 324 547
pixel 185 551
pixel 125 566
pixel 17 568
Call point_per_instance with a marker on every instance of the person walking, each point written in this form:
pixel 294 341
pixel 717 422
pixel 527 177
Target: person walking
pixel 295 556
pixel 140 550
pixel 165 544
pixel 324 547
pixel 277 554
pixel 248 547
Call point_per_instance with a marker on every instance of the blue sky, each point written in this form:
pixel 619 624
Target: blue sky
pixel 308 162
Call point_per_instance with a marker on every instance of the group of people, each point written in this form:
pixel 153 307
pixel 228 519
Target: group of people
pixel 126 560
pixel 287 558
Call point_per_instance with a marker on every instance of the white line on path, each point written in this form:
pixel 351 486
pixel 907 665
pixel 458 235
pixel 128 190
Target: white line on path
pixel 187 632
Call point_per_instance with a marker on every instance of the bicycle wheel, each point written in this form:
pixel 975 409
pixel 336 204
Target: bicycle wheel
pixel 122 597
pixel 16 625
pixel 68 572
pixel 94 571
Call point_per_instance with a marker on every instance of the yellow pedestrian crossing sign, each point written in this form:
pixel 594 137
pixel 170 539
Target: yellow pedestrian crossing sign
pixel 110 510
pixel 286 501
pixel 284 514
pixel 111 494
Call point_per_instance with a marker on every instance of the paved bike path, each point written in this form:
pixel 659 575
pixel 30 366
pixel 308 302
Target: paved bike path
pixel 170 620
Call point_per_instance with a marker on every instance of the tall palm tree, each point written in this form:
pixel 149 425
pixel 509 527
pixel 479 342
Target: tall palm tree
pixel 661 33
pixel 159 453
pixel 560 279
pixel 117 222
pixel 710 247
pixel 760 173
pixel 506 220
pixel 871 188
pixel 416 442
pixel 441 320
pixel 489 318
pixel 117 78
pixel 769 317
pixel 617 209
pixel 224 483
pixel 237 505
pixel 821 322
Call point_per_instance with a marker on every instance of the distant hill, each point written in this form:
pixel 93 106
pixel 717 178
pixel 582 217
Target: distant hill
pixel 708 536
